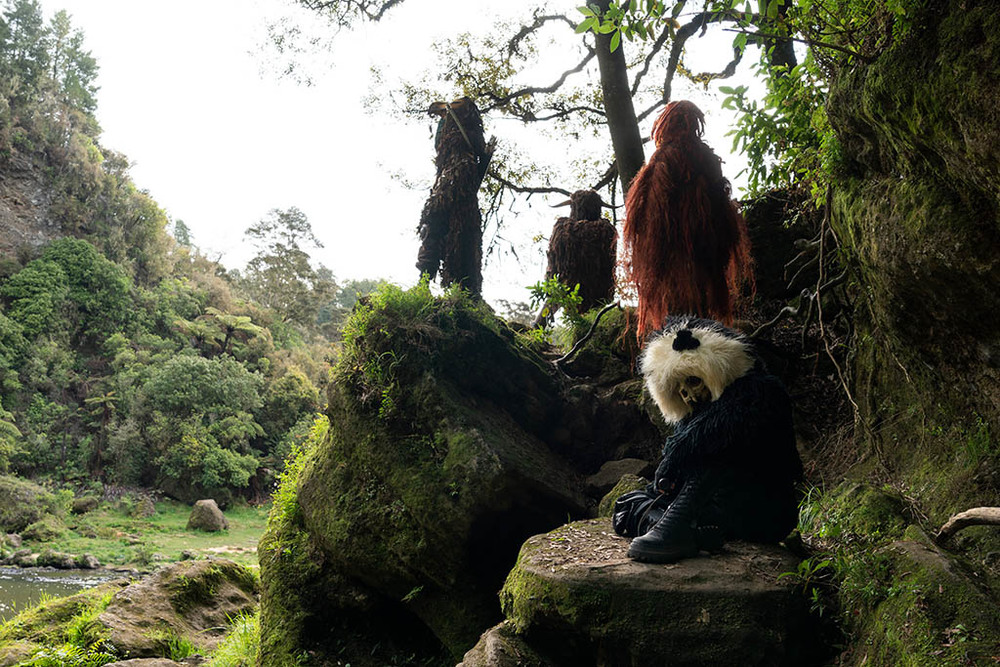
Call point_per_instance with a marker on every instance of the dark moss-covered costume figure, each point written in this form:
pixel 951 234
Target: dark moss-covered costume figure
pixel 451 225
pixel 730 470
pixel 582 251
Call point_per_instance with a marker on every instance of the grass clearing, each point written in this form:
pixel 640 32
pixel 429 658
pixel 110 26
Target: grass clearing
pixel 118 539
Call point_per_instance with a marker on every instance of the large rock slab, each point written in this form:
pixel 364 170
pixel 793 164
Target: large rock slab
pixel 413 505
pixel 574 594
pixel 193 600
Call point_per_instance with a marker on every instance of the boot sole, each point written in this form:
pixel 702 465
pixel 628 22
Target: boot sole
pixel 636 552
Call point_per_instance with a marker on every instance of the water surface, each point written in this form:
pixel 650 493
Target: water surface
pixel 21 588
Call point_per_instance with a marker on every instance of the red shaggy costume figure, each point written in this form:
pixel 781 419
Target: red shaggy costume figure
pixel 685 243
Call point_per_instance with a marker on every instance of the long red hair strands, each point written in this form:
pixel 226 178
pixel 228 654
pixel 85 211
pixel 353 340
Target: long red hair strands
pixel 686 247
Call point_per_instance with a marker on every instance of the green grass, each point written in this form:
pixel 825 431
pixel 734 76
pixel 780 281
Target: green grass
pixel 239 649
pixel 119 540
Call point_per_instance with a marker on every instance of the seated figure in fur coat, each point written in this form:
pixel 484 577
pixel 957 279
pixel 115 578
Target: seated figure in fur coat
pixel 730 470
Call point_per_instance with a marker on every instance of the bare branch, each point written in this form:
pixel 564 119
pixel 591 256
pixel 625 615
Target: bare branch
pixel 523 189
pixel 373 10
pixel 977 516
pixel 728 71
pixel 699 22
pixel 653 52
pixel 561 113
pixel 608 178
pixel 499 101
pixel 526 30
pixel 593 327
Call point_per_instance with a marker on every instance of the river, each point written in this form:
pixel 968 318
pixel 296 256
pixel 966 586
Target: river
pixel 22 587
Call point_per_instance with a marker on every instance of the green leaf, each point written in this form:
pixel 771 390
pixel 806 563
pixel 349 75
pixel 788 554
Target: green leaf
pixel 607 28
pixel 586 24
pixel 616 40
pixel 728 90
pixel 586 11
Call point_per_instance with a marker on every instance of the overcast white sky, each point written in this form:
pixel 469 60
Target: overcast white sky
pixel 186 95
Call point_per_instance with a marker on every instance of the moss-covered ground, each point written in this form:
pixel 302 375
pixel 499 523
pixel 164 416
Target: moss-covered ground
pixel 899 598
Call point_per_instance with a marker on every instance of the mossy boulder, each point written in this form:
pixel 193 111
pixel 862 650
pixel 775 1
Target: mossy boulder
pixel 439 461
pixel 48 624
pixel 195 601
pixel 501 646
pixel 626 483
pixel 46 529
pixel 612 472
pixel 56 559
pixel 191 603
pixel 206 516
pixel 22 503
pixel 916 207
pixel 85 504
pixel 575 594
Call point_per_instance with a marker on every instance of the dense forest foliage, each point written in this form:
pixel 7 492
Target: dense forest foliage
pixel 126 356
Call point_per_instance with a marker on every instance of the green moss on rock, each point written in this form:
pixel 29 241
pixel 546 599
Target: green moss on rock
pixel 53 623
pixel 625 484
pixel 916 207
pixel 574 594
pixel 412 505
pixel 932 611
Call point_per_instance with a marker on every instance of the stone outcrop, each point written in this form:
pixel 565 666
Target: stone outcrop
pixel 576 598
pixel 206 515
pixel 26 221
pixel 916 207
pixel 450 443
pixel 138 622
pixel 22 503
pixel 194 600
pixel 611 473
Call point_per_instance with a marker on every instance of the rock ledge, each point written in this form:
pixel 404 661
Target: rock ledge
pixel 574 596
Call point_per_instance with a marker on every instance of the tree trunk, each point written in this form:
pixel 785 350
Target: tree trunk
pixel 782 48
pixel 622 122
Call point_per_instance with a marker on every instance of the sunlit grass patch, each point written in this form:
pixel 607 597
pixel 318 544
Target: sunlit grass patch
pixel 118 539
pixel 240 648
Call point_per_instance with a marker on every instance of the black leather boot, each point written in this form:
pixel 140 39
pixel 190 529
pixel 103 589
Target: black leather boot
pixel 674 536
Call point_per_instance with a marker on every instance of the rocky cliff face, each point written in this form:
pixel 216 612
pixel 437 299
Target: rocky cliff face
pixel 25 199
pixel 917 209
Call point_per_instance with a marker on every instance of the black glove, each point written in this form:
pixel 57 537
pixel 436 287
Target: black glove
pixel 666 477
